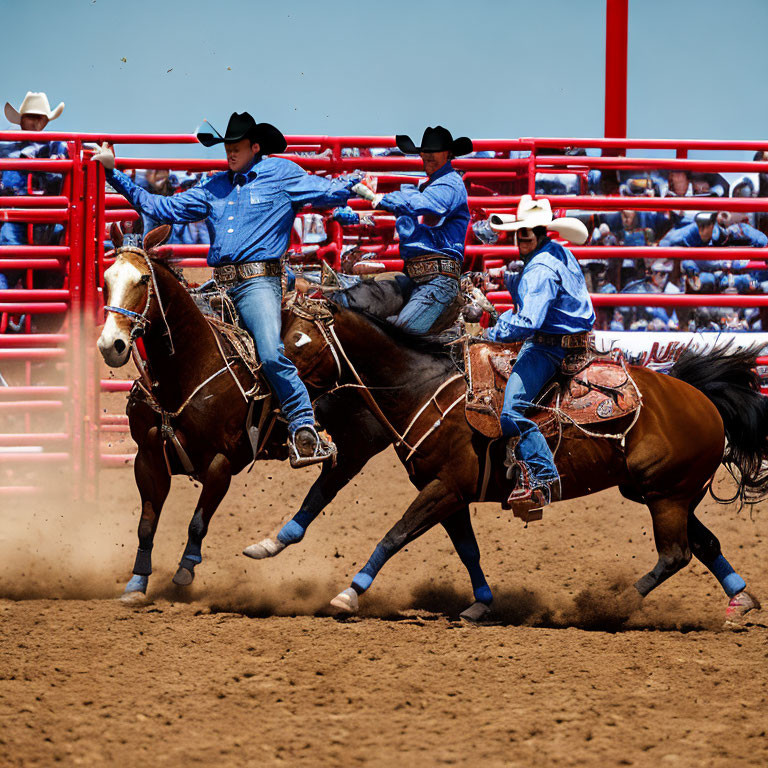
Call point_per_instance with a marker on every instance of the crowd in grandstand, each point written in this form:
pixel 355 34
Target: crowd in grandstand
pixel 628 227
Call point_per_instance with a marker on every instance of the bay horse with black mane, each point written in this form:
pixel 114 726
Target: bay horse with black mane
pixel 188 414
pixel 707 411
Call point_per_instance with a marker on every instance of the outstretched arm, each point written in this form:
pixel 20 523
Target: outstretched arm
pixel 305 188
pixel 191 205
pixel 438 199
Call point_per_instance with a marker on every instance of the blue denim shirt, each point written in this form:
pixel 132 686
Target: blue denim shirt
pixel 442 204
pixel 736 234
pixel 550 296
pixel 15 182
pixel 248 223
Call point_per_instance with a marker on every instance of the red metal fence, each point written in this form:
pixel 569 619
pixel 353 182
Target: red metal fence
pixel 53 411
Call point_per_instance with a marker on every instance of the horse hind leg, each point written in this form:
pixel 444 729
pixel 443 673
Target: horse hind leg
pixel 706 548
pixel 462 535
pixel 154 483
pixel 215 486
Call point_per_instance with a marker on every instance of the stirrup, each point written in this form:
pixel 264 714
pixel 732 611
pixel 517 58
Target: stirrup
pixel 531 492
pixel 324 450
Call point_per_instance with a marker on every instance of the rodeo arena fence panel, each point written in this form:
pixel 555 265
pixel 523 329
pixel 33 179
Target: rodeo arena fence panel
pixel 63 413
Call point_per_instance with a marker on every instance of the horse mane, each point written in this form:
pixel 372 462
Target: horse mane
pixel 431 344
pixel 159 261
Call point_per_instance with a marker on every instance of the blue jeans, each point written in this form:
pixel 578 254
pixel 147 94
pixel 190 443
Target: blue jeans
pixel 427 304
pixel 12 233
pixel 534 367
pixel 258 300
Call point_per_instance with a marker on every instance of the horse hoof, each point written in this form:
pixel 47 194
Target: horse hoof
pixel 475 613
pixel 183 577
pixel 265 548
pixel 738 607
pixel 346 601
pixel 134 599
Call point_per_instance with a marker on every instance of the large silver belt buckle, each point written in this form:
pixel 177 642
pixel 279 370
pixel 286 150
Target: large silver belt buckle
pixel 226 274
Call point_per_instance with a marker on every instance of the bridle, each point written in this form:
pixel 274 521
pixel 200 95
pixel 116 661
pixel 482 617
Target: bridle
pixel 140 320
pixel 317 311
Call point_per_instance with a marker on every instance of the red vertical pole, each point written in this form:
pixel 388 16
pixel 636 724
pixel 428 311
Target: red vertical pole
pixel 76 368
pixel 93 234
pixel 616 22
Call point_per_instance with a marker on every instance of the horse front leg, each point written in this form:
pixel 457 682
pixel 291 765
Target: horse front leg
pixel 459 528
pixel 154 483
pixel 216 480
pixel 434 504
pixel 357 444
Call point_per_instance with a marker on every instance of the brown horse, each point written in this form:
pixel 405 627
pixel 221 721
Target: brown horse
pixel 666 461
pixel 188 415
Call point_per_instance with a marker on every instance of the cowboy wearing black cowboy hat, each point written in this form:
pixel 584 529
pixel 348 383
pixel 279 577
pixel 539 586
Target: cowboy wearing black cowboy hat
pixel 432 222
pixel 249 212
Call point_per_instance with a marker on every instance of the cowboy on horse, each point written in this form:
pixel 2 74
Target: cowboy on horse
pixel 432 221
pixel 553 314
pixel 249 212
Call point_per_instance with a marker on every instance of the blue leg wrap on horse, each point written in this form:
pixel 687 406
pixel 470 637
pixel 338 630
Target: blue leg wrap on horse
pixel 361 582
pixel 368 572
pixel 138 583
pixel 143 563
pixel 730 581
pixel 291 532
pixel 483 594
pixel 192 553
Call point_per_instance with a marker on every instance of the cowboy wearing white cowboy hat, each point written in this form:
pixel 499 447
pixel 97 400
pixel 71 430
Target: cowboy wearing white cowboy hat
pixel 33 115
pixel 553 314
pixel 35 112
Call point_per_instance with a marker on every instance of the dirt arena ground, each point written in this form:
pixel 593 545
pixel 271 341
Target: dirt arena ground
pixel 248 668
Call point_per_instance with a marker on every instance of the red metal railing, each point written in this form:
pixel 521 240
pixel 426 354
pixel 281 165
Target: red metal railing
pixel 70 390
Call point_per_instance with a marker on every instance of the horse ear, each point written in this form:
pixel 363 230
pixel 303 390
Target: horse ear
pixel 116 234
pixel 156 237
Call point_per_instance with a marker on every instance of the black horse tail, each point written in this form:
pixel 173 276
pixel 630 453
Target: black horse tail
pixel 730 380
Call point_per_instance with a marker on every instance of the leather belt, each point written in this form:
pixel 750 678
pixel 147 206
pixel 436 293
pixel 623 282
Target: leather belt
pixel 230 274
pixel 430 266
pixel 567 340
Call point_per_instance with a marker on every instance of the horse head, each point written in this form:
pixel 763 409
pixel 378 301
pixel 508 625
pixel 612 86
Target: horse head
pixel 128 289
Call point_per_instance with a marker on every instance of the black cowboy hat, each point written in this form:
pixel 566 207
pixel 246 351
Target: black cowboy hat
pixel 437 139
pixel 242 126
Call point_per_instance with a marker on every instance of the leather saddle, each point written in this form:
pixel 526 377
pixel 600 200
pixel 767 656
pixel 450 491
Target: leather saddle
pixel 590 390
pixel 219 310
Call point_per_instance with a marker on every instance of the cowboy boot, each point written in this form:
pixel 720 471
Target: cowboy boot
pixel 307 447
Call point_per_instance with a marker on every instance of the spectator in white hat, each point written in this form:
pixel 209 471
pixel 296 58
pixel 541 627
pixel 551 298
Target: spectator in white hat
pixel 34 114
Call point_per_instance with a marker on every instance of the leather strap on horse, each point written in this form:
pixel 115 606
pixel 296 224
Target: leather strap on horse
pixel 367 396
pixel 379 414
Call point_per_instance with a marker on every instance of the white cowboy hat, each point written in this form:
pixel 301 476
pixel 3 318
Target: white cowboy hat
pixel 538 213
pixel 33 104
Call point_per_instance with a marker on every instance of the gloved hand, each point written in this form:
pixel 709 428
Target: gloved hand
pixel 106 157
pixel 345 215
pixel 366 188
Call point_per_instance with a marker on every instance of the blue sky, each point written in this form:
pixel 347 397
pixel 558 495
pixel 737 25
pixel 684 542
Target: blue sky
pixel 488 68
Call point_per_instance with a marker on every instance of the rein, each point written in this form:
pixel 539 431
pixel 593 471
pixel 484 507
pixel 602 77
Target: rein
pixel 323 321
pixel 139 324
